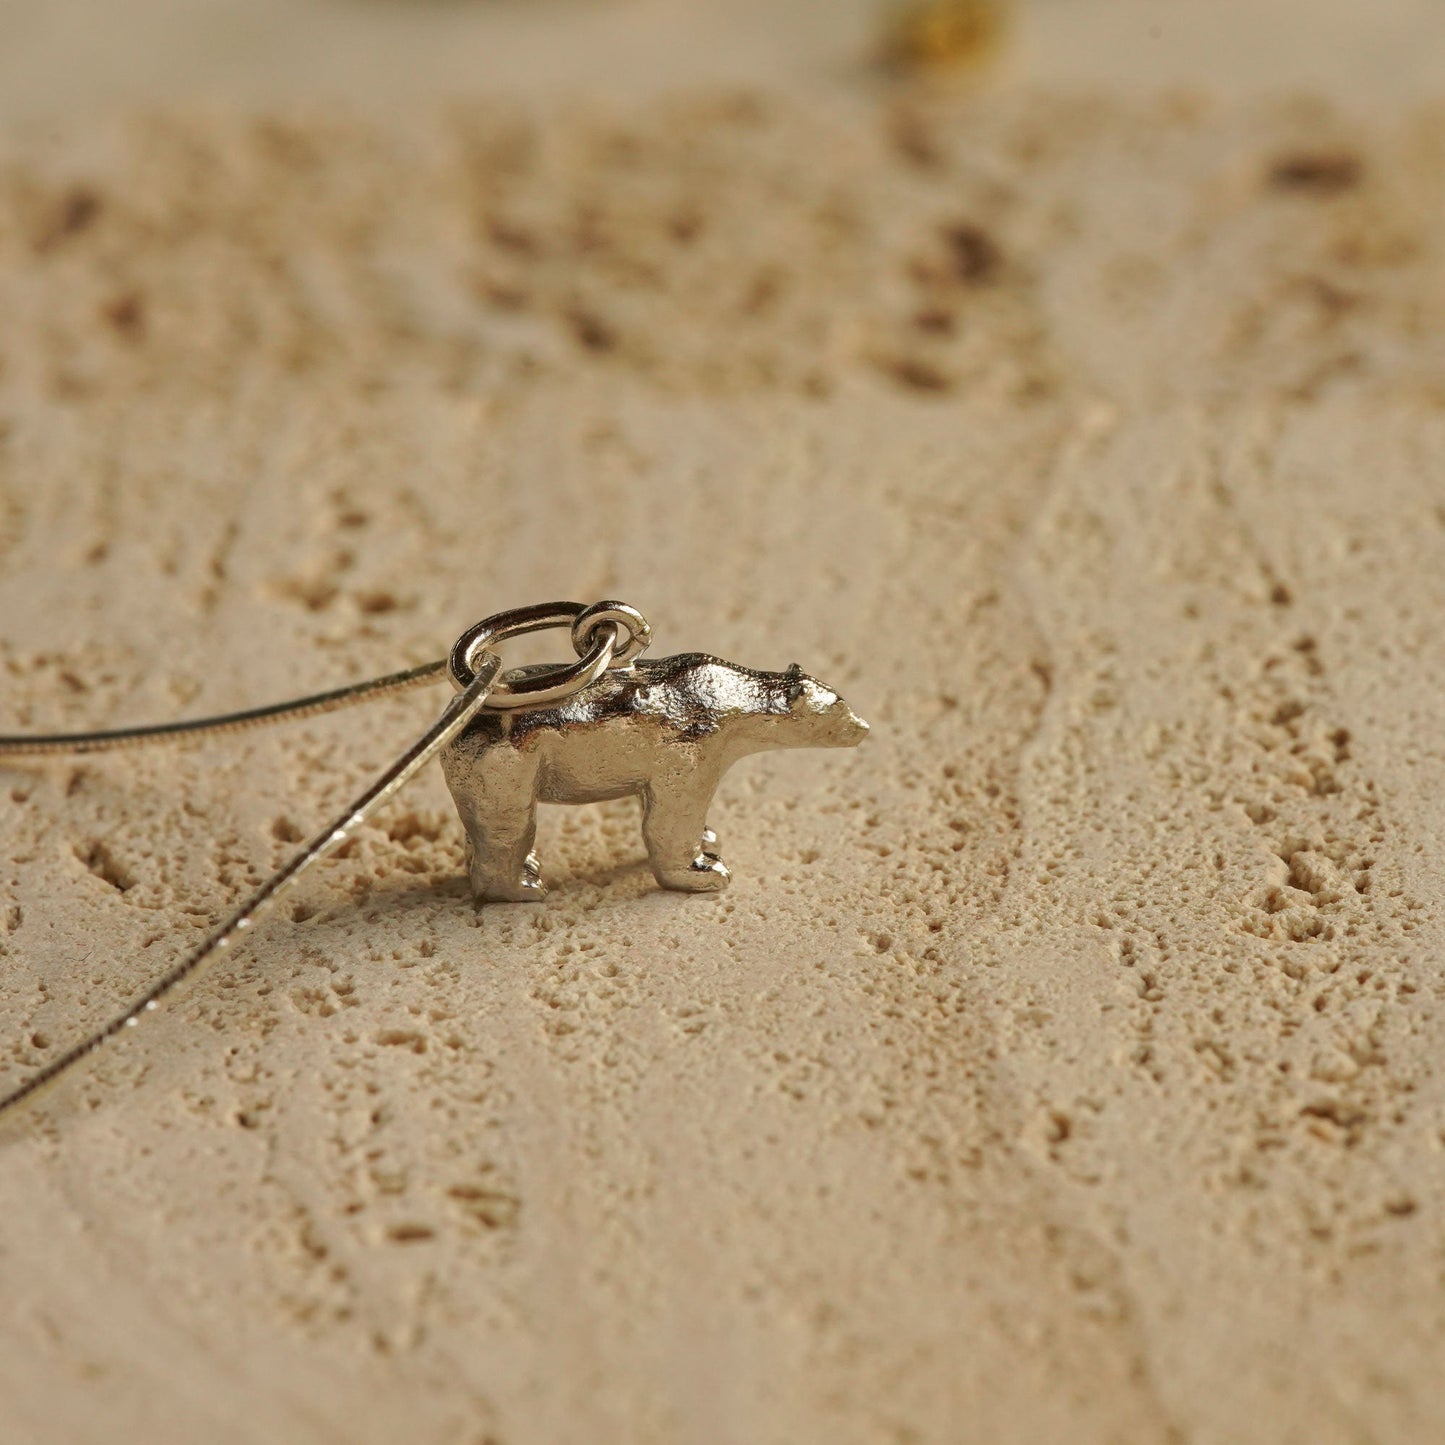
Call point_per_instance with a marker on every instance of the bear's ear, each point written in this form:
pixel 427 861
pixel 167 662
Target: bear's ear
pixel 794 680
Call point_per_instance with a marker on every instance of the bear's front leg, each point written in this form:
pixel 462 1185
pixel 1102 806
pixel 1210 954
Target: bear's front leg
pixel 495 796
pixel 500 861
pixel 679 842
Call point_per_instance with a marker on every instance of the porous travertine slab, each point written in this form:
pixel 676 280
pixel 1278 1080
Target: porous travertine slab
pixel 1062 1065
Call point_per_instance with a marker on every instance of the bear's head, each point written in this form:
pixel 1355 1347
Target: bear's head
pixel 817 716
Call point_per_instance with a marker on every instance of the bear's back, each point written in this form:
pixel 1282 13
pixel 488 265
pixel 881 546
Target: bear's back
pixel 687 696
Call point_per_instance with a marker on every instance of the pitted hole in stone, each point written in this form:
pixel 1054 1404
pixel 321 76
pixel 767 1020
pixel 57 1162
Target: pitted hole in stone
pixel 106 866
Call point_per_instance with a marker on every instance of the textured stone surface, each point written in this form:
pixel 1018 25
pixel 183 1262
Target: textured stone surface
pixel 1061 1065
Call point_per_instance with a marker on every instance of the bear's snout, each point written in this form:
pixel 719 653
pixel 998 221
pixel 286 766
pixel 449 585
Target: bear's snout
pixel 848 729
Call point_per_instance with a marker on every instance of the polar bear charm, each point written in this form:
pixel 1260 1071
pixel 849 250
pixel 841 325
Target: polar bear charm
pixel 664 730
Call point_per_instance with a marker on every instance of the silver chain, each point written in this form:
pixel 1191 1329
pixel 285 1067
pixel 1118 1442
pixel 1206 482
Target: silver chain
pixel 597 635
pixel 457 714
pixel 32 745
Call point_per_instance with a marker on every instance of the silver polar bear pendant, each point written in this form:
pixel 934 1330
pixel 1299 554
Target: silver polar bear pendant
pixel 664 730
pixel 605 726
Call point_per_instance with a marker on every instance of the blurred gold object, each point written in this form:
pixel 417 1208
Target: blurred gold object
pixel 942 35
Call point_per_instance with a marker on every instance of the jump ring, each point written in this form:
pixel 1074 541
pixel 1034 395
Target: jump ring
pixel 639 632
pixel 542 687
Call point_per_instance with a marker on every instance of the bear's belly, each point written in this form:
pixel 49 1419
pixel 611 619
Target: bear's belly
pixel 582 774
pixel 611 759
pixel 586 790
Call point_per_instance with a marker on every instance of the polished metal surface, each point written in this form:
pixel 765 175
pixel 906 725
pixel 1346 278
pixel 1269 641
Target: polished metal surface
pixel 596 636
pixel 666 731
pixel 589 619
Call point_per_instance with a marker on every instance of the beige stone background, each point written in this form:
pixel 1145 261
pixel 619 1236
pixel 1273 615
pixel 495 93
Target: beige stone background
pixel 1064 1065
